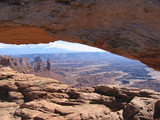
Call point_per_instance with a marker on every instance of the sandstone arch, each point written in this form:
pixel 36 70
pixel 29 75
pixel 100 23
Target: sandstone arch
pixel 129 28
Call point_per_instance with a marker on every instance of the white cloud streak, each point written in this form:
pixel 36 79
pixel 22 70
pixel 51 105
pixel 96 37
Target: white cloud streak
pixel 57 44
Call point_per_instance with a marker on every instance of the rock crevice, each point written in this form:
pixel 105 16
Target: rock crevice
pixel 24 96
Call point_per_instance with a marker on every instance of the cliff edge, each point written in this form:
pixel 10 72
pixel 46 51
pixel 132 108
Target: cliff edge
pixel 24 96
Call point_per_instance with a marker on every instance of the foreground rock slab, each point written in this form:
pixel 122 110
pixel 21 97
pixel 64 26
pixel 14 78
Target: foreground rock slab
pixel 24 96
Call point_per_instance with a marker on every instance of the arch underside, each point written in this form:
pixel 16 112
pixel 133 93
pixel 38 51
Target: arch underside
pixel 127 28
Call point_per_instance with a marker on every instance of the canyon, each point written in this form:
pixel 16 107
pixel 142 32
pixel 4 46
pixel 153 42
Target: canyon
pixel 22 65
pixel 86 69
pixel 93 68
pixel 18 64
pixel 129 28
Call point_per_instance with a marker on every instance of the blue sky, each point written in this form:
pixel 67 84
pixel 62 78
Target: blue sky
pixel 47 48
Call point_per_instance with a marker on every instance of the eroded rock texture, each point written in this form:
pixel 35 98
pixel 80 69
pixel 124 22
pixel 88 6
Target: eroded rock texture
pixel 38 64
pixel 18 64
pixel 26 97
pixel 49 68
pixel 130 28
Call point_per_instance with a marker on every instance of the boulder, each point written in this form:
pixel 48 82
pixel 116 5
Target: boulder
pixel 139 108
pixel 125 94
pixel 157 110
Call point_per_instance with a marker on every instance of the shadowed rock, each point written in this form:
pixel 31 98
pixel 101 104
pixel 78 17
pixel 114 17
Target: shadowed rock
pixel 24 96
pixel 48 65
pixel 127 28
pixel 19 64
pixel 38 64
pixel 157 110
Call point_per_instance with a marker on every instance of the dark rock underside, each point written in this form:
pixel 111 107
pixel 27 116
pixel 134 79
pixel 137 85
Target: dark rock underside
pixel 129 28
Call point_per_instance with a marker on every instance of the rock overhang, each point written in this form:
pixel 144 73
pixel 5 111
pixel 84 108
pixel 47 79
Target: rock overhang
pixel 127 28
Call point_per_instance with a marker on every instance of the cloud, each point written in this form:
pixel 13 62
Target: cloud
pixel 73 47
pixel 57 44
pixel 8 46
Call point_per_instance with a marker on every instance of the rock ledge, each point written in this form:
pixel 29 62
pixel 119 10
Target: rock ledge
pixel 24 96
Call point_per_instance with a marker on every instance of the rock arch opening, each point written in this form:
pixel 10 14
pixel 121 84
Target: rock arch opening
pixel 128 28
pixel 78 65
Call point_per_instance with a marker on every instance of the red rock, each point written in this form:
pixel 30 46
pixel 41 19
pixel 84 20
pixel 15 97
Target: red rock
pixel 127 28
pixel 15 95
pixel 157 110
pixel 139 108
pixel 48 65
pixel 18 64
pixel 38 64
pixel 38 98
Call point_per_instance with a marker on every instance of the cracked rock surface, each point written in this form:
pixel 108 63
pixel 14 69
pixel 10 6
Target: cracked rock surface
pixel 26 97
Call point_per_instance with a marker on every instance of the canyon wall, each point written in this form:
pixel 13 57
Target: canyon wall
pixel 18 64
pixel 129 28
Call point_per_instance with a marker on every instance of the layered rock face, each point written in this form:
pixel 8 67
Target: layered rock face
pixel 42 71
pixel 22 65
pixel 24 96
pixel 48 65
pixel 129 27
pixel 38 64
pixel 18 64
